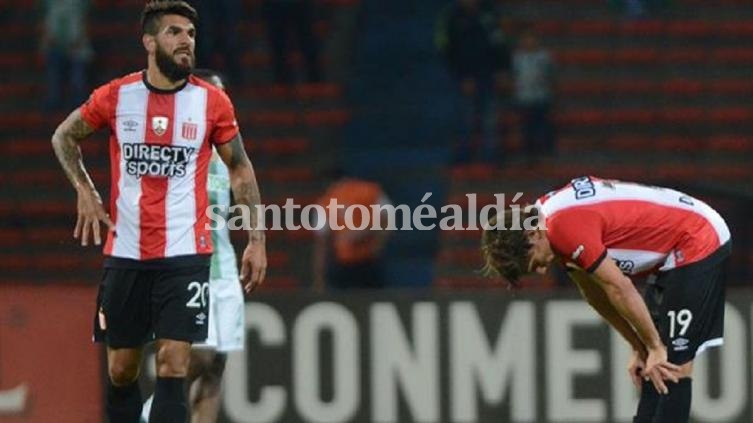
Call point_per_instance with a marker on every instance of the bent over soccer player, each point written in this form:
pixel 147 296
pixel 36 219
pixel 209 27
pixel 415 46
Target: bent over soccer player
pixel 603 231
pixel 163 124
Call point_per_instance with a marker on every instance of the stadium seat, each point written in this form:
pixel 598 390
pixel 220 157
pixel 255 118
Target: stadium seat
pixel 286 174
pixel 733 56
pixel 636 116
pixel 592 27
pixel 689 29
pixel 635 56
pixel 582 117
pixel 737 87
pixel 279 146
pixel 319 91
pixel 685 56
pixel 286 118
pixel 682 87
pixel 683 115
pixel 314 118
pixel 642 28
pixel 730 115
pixel 583 57
pixel 549 27
pixel 731 143
pixel 736 29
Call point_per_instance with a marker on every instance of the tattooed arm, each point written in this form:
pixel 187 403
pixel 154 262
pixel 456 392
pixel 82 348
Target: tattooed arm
pixel 246 192
pixel 65 142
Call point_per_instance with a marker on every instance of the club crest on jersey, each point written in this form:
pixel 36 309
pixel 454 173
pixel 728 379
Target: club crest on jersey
pixel 159 125
pixel 189 130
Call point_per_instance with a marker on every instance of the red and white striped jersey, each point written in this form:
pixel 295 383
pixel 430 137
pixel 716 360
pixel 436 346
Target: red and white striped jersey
pixel 160 147
pixel 643 228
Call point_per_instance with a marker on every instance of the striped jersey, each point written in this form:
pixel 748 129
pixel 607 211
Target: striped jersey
pixel 160 147
pixel 643 228
pixel 223 265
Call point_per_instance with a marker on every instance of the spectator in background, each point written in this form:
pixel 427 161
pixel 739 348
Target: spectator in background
pixel 350 258
pixel 66 49
pixel 469 36
pixel 218 34
pixel 533 73
pixel 286 18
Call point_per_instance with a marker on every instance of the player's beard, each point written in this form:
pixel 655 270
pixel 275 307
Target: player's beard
pixel 174 71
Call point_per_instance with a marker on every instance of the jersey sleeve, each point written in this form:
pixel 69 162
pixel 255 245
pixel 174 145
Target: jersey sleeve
pixel 98 109
pixel 225 124
pixel 577 236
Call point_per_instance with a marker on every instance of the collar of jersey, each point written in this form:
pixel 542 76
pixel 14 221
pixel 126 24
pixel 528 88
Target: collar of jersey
pixel 154 89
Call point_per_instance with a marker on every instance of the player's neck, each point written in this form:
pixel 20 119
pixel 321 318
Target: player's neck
pixel 160 81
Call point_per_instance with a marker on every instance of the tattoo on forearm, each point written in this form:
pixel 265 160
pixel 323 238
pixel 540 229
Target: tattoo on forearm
pixel 65 142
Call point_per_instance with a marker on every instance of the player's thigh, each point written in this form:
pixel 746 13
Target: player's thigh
pixel 687 306
pixel 180 304
pixel 123 314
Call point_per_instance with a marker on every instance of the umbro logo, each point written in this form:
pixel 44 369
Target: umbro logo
pixel 130 125
pixel 201 318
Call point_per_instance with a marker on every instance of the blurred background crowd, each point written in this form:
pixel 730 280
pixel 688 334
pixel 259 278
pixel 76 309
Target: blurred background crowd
pixel 372 100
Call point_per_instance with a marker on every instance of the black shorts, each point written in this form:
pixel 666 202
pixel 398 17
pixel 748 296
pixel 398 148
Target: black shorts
pixel 687 305
pixel 135 306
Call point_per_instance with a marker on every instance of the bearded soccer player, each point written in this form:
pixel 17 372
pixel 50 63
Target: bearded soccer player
pixel 603 232
pixel 164 123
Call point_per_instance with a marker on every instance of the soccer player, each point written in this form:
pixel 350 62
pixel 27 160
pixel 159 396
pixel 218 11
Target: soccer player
pixel 226 319
pixel 604 231
pixel 164 123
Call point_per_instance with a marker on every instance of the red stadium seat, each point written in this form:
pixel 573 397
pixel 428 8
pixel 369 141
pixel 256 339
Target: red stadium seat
pixel 730 115
pixel 583 57
pixel 642 28
pixel 280 146
pixel 689 29
pixel 731 143
pixel 733 56
pixel 632 117
pixel 683 115
pixel 636 56
pixel 685 56
pixel 316 118
pixel 272 118
pixel 582 117
pixel 741 87
pixel 319 91
pixel 549 27
pixel 592 27
pixel 736 29
pixel 286 174
pixel 682 87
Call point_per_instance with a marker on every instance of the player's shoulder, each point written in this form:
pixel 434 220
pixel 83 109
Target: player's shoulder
pixel 212 90
pixel 125 80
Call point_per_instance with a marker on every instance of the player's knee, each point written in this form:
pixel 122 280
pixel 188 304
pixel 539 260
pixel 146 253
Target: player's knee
pixel 173 359
pixel 123 373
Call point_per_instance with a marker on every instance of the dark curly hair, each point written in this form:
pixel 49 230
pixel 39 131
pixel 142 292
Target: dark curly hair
pixel 505 250
pixel 154 10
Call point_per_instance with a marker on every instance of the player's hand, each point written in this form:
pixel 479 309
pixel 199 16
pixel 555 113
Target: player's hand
pixel 253 265
pixel 658 369
pixel 636 365
pixel 90 213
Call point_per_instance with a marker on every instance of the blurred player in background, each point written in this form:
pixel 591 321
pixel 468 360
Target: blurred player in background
pixel 226 318
pixel 163 122
pixel 602 231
